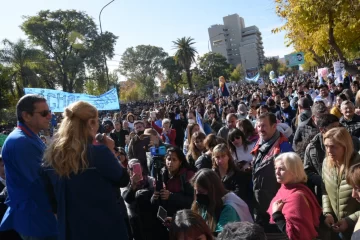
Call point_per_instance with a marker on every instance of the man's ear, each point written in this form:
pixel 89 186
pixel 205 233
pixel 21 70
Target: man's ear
pixel 26 116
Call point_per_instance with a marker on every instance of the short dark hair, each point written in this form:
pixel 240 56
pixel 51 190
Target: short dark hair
pixel 270 116
pixel 285 99
pixel 326 120
pixel 270 102
pixel 318 109
pixel 26 104
pixel 323 86
pixel 139 121
pixel 242 231
pixel 304 102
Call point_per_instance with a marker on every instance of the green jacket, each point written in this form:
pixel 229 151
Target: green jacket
pixel 336 197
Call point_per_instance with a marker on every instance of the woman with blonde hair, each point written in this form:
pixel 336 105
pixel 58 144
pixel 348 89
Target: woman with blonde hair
pixel 196 148
pixel 340 209
pixel 190 130
pixel 294 208
pixel 85 177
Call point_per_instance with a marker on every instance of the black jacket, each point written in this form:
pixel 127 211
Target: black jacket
pixel 204 161
pixel 240 183
pixel 353 126
pixel 119 137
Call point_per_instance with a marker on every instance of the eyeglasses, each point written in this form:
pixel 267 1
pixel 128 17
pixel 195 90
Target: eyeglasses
pixel 44 113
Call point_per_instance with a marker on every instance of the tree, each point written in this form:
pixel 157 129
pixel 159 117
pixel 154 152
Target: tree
pixel 238 73
pixel 70 40
pixel 326 31
pixel 185 56
pixel 268 68
pixel 21 60
pixel 173 73
pixel 142 64
pixel 214 65
pixel 274 62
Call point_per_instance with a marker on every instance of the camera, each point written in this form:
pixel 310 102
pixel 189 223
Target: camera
pixel 158 154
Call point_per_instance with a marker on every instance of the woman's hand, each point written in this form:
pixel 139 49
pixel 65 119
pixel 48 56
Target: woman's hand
pixel 168 222
pixel 156 195
pixel 109 143
pixel 340 226
pixel 164 194
pixel 329 220
pixel 278 206
pixel 134 180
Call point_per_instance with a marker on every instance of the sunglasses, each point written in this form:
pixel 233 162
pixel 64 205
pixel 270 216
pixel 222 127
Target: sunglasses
pixel 44 113
pixel 237 137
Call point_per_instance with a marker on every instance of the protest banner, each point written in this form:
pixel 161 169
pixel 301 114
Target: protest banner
pixel 59 100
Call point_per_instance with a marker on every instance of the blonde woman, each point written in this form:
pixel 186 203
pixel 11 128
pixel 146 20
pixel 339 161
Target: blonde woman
pixel 294 202
pixel 340 209
pixel 85 177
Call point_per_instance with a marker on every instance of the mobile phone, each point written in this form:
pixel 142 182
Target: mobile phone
pixel 137 170
pixel 162 214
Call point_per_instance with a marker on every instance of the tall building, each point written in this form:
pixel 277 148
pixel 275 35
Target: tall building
pixel 239 44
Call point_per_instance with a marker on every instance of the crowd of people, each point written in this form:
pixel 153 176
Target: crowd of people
pixel 276 161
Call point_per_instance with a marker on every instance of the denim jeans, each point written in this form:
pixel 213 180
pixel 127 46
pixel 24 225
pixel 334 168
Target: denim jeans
pixel 38 238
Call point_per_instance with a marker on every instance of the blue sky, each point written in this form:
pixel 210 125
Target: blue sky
pixel 155 22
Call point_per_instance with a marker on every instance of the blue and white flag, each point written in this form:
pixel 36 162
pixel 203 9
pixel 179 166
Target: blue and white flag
pixel 253 79
pixel 58 100
pixel 199 122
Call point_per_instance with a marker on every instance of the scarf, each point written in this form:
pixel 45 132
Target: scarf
pixel 262 150
pixel 301 211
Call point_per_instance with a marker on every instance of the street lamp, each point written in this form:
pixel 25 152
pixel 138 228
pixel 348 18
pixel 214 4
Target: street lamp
pixel 212 79
pixel 106 67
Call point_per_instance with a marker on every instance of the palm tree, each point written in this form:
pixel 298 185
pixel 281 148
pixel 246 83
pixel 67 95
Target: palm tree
pixel 185 55
pixel 21 59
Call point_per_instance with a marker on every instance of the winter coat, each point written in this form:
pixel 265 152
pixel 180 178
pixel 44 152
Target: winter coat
pixel 337 199
pixel 314 156
pixel 353 125
pixel 141 194
pixel 264 179
pixel 204 161
pixel 239 182
pixel 305 131
pixel 138 149
pixel 223 132
pixel 119 137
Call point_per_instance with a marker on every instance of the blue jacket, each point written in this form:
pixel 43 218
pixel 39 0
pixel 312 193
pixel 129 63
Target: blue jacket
pixel 88 204
pixel 29 211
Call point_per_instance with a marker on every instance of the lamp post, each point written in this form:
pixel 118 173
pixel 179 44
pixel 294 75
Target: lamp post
pixel 106 67
pixel 212 79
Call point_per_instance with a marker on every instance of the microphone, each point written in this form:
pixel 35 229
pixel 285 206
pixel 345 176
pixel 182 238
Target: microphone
pixel 99 138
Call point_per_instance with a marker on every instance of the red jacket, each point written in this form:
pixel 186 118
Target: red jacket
pixel 171 134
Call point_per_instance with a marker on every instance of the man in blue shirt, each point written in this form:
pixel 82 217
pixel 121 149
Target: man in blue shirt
pixel 29 212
